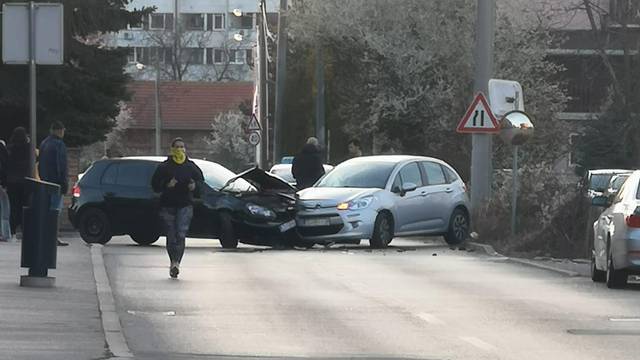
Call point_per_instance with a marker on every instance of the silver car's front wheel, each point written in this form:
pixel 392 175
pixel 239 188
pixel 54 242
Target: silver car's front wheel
pixel 382 231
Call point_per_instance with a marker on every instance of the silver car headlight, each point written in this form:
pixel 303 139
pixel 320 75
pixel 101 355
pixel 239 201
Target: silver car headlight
pixel 357 204
pixel 260 211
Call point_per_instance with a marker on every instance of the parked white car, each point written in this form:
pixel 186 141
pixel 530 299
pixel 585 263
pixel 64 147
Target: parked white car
pixel 616 246
pixel 379 197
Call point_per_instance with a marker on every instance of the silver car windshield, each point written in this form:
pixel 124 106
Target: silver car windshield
pixel 216 176
pixel 359 175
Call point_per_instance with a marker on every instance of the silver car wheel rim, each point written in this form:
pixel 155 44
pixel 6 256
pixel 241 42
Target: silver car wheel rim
pixel 460 227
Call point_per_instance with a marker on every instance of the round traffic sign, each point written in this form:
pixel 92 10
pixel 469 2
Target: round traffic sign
pixel 254 138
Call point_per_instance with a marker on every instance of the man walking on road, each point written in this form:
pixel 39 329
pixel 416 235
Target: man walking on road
pixel 307 166
pixel 176 180
pixel 52 165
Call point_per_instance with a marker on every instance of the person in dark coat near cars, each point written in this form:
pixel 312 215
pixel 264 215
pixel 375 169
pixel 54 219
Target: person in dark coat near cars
pixel 307 165
pixel 18 168
pixel 52 165
pixel 176 179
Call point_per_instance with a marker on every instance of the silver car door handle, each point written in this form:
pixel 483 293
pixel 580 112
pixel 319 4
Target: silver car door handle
pixel 448 190
pixel 424 193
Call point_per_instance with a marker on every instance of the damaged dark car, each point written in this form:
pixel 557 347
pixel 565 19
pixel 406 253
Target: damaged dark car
pixel 114 197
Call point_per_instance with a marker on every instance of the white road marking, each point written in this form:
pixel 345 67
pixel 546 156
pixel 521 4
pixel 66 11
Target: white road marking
pixel 431 319
pixel 625 319
pixel 478 343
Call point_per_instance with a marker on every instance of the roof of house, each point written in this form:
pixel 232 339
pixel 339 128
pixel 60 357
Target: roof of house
pixel 185 105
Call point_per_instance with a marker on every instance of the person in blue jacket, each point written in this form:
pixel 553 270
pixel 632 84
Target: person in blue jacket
pixel 52 165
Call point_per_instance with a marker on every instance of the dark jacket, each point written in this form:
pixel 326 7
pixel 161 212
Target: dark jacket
pixel 18 165
pixel 178 196
pixel 52 162
pixel 307 166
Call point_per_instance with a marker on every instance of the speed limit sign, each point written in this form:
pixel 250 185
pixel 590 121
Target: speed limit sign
pixel 254 138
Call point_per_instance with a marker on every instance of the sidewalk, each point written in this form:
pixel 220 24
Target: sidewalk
pixel 62 322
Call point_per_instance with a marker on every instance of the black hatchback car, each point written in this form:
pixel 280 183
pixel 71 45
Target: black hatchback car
pixel 114 197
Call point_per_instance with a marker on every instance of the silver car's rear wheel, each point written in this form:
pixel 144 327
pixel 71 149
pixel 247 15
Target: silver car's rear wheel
pixel 458 227
pixel 615 278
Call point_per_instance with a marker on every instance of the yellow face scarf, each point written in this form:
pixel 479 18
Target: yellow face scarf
pixel 178 155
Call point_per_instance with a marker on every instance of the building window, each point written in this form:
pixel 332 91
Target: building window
pixel 194 56
pixel 215 22
pixel 142 55
pixel 246 21
pixel 138 25
pixel 157 21
pixel 218 56
pixel 235 57
pixel 248 56
pixel 193 21
pixel 131 55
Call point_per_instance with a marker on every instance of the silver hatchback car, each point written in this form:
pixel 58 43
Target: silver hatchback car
pixel 379 197
pixel 616 247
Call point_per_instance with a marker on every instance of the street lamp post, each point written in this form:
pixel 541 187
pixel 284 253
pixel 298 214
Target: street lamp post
pixel 158 122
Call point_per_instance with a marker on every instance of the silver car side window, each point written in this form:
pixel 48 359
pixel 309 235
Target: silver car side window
pixel 620 194
pixel 435 175
pixel 411 174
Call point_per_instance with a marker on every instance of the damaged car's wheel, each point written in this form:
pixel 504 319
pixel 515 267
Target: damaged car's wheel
pixel 228 238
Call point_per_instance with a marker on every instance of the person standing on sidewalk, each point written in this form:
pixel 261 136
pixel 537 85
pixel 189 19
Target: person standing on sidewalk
pixel 17 169
pixel 176 180
pixel 52 165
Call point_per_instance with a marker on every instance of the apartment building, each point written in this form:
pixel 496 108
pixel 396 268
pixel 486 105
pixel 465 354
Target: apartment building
pixel 194 40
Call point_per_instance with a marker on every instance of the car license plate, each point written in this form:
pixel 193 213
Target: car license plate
pixel 287 226
pixel 317 222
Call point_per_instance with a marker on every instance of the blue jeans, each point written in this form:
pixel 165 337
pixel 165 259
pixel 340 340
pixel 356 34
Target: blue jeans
pixel 176 222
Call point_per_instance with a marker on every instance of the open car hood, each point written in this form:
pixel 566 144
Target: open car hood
pixel 264 181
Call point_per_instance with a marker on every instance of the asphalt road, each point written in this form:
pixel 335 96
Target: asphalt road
pixel 416 300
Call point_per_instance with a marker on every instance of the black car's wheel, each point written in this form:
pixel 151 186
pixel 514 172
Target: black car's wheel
pixel 228 237
pixel 145 238
pixel 597 275
pixel 458 227
pixel 94 226
pixel 382 231
pixel 615 278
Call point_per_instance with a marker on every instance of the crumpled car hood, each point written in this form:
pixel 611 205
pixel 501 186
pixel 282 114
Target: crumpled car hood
pixel 264 181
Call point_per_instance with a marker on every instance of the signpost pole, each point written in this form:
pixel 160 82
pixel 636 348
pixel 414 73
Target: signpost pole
pixel 481 155
pixel 514 194
pixel 32 86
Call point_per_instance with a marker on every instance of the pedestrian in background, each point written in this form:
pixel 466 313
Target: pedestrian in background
pixel 18 168
pixel 354 148
pixel 5 208
pixel 176 179
pixel 52 165
pixel 307 165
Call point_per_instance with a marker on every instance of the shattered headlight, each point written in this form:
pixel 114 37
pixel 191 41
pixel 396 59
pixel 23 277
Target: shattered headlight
pixel 260 211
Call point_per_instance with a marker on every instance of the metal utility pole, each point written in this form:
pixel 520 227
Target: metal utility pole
pixel 262 89
pixel 281 80
pixel 482 152
pixel 158 122
pixel 32 86
pixel 320 89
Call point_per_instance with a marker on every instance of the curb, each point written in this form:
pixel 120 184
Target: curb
pixel 116 343
pixel 489 250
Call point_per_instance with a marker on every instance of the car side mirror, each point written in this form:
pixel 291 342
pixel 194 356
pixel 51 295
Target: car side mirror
pixel 408 187
pixel 601 201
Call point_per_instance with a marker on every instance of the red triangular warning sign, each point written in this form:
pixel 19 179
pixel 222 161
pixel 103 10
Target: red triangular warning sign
pixel 479 118
pixel 254 125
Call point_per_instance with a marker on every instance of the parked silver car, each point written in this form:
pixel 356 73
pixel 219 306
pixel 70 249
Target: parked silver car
pixel 616 247
pixel 379 197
